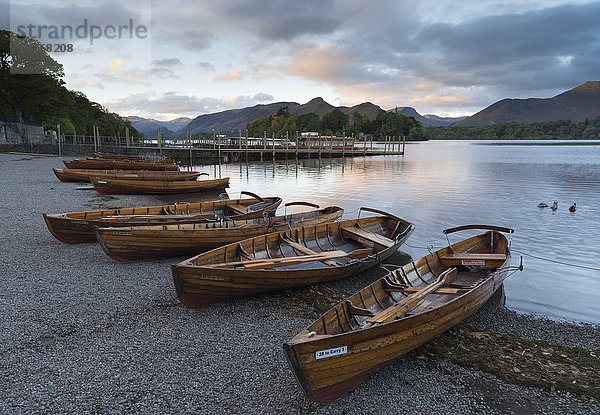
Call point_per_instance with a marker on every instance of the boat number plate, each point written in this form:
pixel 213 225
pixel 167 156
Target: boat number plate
pixel 124 233
pixel 473 262
pixel 320 354
pixel 211 277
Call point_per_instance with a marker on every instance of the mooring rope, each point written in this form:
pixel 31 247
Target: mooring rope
pixel 423 247
pixel 556 262
pixel 347 213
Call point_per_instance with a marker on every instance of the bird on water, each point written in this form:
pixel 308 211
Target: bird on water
pixel 573 207
pixel 543 205
pixel 554 205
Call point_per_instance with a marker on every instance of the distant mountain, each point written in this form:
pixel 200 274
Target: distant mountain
pixel 150 126
pixel 576 104
pixel 177 123
pixel 442 121
pixel 316 105
pixel 427 120
pixel 320 106
pixel 233 120
pixel 411 112
pixel 365 108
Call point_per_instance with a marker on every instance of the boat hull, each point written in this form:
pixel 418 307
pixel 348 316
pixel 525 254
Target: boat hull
pixel 333 361
pixel 84 175
pixel 198 290
pixel 78 227
pixel 149 242
pixel 399 340
pixel 109 186
pixel 195 279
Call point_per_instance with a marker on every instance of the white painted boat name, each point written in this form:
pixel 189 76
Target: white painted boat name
pixel 320 354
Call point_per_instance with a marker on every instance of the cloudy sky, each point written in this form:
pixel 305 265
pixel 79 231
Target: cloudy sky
pixel 185 58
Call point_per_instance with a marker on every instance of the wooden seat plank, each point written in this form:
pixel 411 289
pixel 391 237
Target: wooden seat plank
pixel 367 238
pixel 472 259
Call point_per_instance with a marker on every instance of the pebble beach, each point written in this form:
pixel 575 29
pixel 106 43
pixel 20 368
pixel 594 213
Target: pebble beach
pixel 82 333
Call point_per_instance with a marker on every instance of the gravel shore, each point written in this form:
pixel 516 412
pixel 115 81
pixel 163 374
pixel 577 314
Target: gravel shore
pixel 82 333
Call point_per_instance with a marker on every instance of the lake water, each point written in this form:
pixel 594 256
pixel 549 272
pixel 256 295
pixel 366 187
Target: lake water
pixel 438 185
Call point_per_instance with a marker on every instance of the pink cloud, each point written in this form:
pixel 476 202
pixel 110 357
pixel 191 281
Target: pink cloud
pixel 232 75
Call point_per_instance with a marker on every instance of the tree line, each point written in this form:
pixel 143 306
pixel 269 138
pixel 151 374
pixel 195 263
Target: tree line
pixel 32 89
pixel 562 129
pixel 338 123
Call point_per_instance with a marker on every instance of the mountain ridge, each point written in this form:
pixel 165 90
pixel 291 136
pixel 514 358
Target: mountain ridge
pixel 234 120
pixel 150 126
pixel 577 104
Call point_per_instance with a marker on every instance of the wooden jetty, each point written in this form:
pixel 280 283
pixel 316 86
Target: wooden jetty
pixel 210 150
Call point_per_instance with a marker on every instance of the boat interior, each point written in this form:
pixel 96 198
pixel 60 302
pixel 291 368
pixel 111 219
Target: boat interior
pixel 321 246
pixel 417 287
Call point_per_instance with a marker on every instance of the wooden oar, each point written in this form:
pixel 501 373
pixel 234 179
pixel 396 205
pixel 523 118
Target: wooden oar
pixel 301 248
pixel 410 302
pixel 281 262
pixel 170 216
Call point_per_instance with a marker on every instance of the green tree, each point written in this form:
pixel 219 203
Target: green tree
pixel 283 112
pixel 31 88
pixel 308 122
pixel 66 126
pixel 28 76
pixel 335 121
pixel 560 129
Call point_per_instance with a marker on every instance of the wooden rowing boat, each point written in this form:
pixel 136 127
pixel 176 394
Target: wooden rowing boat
pixel 77 227
pixel 285 259
pixel 83 175
pixel 148 242
pixel 398 313
pixel 111 186
pixel 102 164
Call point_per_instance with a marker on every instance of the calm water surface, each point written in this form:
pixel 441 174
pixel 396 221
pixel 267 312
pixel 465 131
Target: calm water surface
pixel 443 184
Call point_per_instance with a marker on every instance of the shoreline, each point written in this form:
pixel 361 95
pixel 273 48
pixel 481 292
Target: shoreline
pixel 83 333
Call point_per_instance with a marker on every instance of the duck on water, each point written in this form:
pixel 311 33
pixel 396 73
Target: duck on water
pixel 545 205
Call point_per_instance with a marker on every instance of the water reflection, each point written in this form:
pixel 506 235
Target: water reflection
pixel 440 185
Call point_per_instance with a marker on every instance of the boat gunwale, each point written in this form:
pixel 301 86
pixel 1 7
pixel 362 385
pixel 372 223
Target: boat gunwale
pixel 236 223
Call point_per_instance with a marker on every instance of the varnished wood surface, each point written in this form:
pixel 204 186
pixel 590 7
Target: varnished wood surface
pixel 205 278
pixel 77 227
pixel 84 175
pixel 148 242
pixel 112 186
pixel 364 344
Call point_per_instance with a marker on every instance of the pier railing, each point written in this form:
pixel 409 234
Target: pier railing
pixel 232 148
